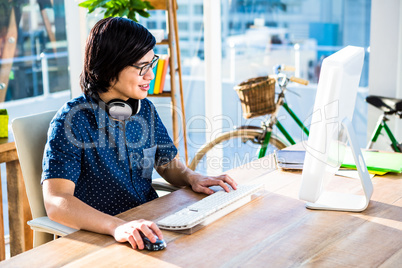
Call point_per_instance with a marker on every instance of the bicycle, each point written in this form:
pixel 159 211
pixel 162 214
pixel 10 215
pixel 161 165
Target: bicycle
pixel 389 106
pixel 262 136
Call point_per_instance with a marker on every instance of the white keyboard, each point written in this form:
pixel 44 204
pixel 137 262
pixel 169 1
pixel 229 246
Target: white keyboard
pixel 210 208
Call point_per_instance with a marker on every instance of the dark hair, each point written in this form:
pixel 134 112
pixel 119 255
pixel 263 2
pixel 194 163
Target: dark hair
pixel 113 44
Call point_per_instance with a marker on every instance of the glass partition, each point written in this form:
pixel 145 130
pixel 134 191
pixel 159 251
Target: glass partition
pixel 33 48
pixel 33 62
pixel 256 36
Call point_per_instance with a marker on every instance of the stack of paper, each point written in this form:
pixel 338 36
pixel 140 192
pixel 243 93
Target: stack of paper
pixel 288 159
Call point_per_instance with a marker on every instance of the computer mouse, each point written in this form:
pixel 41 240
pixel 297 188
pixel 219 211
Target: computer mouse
pixel 148 245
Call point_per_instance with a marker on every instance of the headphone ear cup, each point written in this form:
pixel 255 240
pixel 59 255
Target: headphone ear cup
pixel 119 109
pixel 135 105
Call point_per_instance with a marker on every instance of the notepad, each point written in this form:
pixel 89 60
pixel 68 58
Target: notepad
pixel 381 162
pixel 376 162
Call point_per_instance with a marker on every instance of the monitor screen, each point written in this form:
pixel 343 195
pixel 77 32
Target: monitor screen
pixel 334 103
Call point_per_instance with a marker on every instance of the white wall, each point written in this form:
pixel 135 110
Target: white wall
pixel 385 73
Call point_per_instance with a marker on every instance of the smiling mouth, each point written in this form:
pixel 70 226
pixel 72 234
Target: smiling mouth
pixel 145 87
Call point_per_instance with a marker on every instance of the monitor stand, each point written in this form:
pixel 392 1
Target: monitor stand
pixel 343 201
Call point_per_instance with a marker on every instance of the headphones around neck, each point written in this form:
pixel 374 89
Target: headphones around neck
pixel 120 109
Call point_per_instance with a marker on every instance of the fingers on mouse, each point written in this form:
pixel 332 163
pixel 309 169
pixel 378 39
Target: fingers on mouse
pixel 158 245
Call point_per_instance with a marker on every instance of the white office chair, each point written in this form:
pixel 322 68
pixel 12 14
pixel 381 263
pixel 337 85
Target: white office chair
pixel 30 134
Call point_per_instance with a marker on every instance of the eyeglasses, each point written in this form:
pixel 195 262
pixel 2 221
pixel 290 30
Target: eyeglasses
pixel 144 69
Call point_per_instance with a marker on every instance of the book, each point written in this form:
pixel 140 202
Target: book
pixel 289 159
pixel 159 71
pixel 152 84
pixel 164 72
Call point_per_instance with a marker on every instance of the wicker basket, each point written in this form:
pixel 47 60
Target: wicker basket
pixel 257 96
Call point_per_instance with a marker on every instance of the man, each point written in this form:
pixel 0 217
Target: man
pixel 103 145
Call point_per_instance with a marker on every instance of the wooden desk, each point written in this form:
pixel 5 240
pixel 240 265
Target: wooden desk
pixel 275 230
pixel 21 235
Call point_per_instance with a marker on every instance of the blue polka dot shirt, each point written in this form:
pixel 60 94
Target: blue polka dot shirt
pixel 110 162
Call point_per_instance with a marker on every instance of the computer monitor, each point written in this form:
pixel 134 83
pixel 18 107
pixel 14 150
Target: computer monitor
pixel 330 130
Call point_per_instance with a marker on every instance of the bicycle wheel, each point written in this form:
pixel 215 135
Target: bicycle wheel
pixel 236 147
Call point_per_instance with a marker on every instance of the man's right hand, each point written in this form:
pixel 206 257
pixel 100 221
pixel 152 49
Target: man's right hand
pixel 130 231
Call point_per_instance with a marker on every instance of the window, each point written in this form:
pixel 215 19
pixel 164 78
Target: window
pixel 197 26
pixel 183 26
pixel 265 32
pixel 185 52
pixel 198 9
pixel 151 24
pixel 34 66
pixel 182 9
pixel 257 35
pixel 34 60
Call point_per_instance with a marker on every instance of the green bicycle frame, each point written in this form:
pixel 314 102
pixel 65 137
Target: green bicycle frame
pixel 383 125
pixel 288 137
